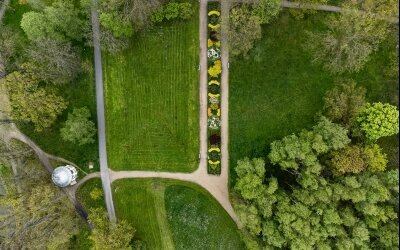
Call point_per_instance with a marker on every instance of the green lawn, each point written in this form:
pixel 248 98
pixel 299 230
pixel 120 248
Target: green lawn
pixel 277 90
pixel 151 92
pixel 160 211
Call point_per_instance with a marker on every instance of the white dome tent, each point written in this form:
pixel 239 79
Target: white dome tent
pixel 64 176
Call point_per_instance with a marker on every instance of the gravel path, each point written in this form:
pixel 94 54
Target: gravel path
pixel 101 124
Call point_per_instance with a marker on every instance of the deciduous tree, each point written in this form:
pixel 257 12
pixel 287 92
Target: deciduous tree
pixel 347 160
pixel 105 235
pixel 54 61
pixel 343 102
pixel 32 103
pixel 378 120
pixel 78 128
pixel 244 30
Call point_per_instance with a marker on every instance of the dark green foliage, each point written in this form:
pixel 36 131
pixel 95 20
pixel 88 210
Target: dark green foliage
pixel 343 102
pixel 172 11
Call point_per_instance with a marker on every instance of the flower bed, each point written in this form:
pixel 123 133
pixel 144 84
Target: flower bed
pixel 214 88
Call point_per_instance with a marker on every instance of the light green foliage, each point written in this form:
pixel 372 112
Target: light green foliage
pixel 347 160
pixel 293 151
pixel 172 11
pixel 32 103
pixel 374 158
pixel 118 26
pixel 378 120
pixel 266 10
pixel 343 102
pixel 244 30
pixel 349 41
pixel 105 235
pixel 61 21
pixel 251 173
pixel 79 128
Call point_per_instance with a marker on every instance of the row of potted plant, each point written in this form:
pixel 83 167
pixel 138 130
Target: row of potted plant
pixel 214 89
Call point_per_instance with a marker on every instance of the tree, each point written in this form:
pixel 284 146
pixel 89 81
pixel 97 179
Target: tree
pixel 342 212
pixel 39 215
pixel 172 11
pixel 32 103
pixel 54 61
pixel 294 151
pixel 266 10
pixel 137 12
pixel 116 24
pixel 106 235
pixel 374 158
pixel 378 120
pixel 10 45
pixel 350 39
pixel 244 30
pixel 78 128
pixel 343 102
pixel 61 21
pixel 347 160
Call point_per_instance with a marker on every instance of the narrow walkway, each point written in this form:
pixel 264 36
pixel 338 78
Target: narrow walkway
pixel 101 124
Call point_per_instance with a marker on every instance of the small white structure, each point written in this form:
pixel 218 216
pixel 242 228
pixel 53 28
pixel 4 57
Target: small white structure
pixel 64 176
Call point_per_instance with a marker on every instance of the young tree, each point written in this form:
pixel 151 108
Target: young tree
pixel 107 236
pixel 266 10
pixel 78 128
pixel 54 61
pixel 244 30
pixel 378 120
pixel 32 103
pixel 343 102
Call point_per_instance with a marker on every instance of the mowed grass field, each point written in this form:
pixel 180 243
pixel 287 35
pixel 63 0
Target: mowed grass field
pixel 170 214
pixel 151 92
pixel 277 90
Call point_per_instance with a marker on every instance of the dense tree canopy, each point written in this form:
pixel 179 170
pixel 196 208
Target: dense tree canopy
pixel 61 21
pixel 32 103
pixel 39 215
pixel 321 190
pixel 78 128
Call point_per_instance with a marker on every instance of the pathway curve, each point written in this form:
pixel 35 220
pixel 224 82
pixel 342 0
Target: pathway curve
pixel 101 124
